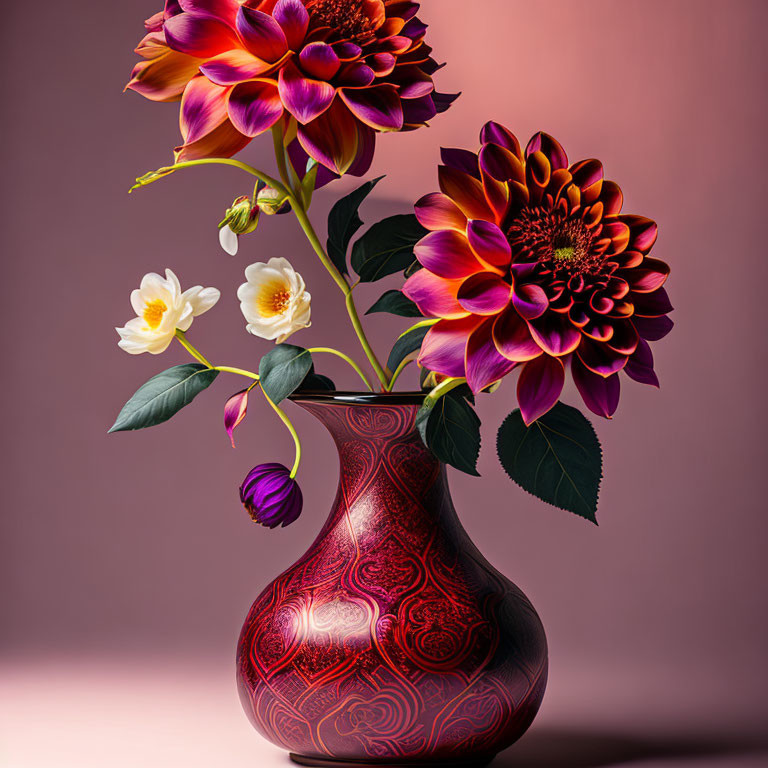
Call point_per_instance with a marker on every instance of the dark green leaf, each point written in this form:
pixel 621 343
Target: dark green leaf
pixel 163 396
pixel 558 458
pixel 343 223
pixel 450 428
pixel 282 370
pixel 407 344
pixel 387 247
pixel 396 303
pixel 316 382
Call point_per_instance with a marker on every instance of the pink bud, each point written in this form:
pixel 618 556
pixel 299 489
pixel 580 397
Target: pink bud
pixel 234 412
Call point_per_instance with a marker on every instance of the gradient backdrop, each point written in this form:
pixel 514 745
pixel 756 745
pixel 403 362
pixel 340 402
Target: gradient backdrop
pixel 127 563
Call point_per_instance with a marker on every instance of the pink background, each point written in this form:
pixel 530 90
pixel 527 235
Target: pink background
pixel 127 564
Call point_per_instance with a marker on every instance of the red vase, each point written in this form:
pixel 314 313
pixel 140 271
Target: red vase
pixel 392 641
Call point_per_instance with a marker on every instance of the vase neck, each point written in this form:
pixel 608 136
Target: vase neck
pixel 386 472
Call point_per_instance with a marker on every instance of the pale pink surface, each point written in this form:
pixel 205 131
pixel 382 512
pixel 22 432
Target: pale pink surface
pixel 128 544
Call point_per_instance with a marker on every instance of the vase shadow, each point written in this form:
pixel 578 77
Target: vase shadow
pixel 551 747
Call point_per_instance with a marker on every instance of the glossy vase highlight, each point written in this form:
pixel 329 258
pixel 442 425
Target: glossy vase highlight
pixel 392 641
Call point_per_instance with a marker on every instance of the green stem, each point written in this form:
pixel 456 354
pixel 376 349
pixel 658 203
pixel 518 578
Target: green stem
pixel 192 351
pixel 291 429
pixel 167 170
pixel 338 278
pixel 443 389
pixel 396 375
pixel 282 165
pixel 352 363
pixel 238 371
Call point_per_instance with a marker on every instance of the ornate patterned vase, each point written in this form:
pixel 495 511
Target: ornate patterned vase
pixel 392 641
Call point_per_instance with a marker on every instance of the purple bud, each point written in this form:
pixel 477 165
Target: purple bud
pixel 271 496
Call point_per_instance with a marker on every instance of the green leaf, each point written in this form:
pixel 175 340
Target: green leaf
pixel 408 343
pixel 450 428
pixel 343 223
pixel 316 382
pixel 558 458
pixel 396 303
pixel 387 247
pixel 163 396
pixel 282 370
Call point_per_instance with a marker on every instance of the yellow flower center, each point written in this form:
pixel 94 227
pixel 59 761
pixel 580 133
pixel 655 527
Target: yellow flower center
pixel 273 299
pixel 153 313
pixel 564 254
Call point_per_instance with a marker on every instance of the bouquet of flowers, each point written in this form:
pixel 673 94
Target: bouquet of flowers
pixel 523 264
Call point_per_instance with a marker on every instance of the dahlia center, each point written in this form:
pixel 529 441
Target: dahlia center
pixel 551 237
pixel 153 313
pixel 347 18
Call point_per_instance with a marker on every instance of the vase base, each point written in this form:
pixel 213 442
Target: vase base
pixel 329 762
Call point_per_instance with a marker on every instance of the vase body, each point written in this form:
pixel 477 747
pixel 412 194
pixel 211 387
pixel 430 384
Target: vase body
pixel 392 641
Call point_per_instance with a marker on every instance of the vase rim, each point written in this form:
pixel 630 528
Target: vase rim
pixel 360 398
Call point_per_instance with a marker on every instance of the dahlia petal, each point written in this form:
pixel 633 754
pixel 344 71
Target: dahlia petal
pixel 304 98
pixel 640 365
pixel 319 60
pixel 446 253
pixel 555 334
pixel 652 304
pixel 378 106
pixel 466 191
pixel 501 164
pixel 438 211
pixel 443 101
pixel 382 64
pixel 254 107
pixel 484 294
pixel 293 19
pixel 513 338
pixel 644 231
pixel 648 277
pixel 434 296
pixel 539 387
pixel 199 36
pixel 538 170
pixel 460 160
pixel 444 347
pixel 413 82
pixel 530 301
pixel 618 233
pixel 262 35
pixel 550 147
pixel 203 108
pixel 419 111
pixel 366 145
pixel 600 358
pixel 223 141
pixel 164 77
pixel 652 328
pixel 332 139
pixel 598 329
pixel 347 51
pixel 611 198
pixel 588 176
pixel 495 133
pixel 232 67
pixel 624 339
pixel 355 75
pixel 600 394
pixel 484 364
pixel 489 243
pixel 223 9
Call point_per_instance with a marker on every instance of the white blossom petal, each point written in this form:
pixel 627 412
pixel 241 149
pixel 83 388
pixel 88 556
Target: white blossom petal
pixel 228 240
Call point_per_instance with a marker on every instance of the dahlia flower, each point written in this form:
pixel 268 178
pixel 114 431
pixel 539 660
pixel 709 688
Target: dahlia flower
pixel 271 496
pixel 274 300
pixel 161 308
pixel 339 70
pixel 530 264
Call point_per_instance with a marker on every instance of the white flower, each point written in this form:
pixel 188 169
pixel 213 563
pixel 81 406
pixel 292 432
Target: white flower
pixel 274 300
pixel 161 308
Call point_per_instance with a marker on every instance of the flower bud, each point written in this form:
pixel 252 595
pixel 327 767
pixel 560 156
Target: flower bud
pixel 271 496
pixel 271 201
pixel 242 216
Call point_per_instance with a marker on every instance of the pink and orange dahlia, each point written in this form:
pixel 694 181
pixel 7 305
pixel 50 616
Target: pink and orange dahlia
pixel 530 264
pixel 340 71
